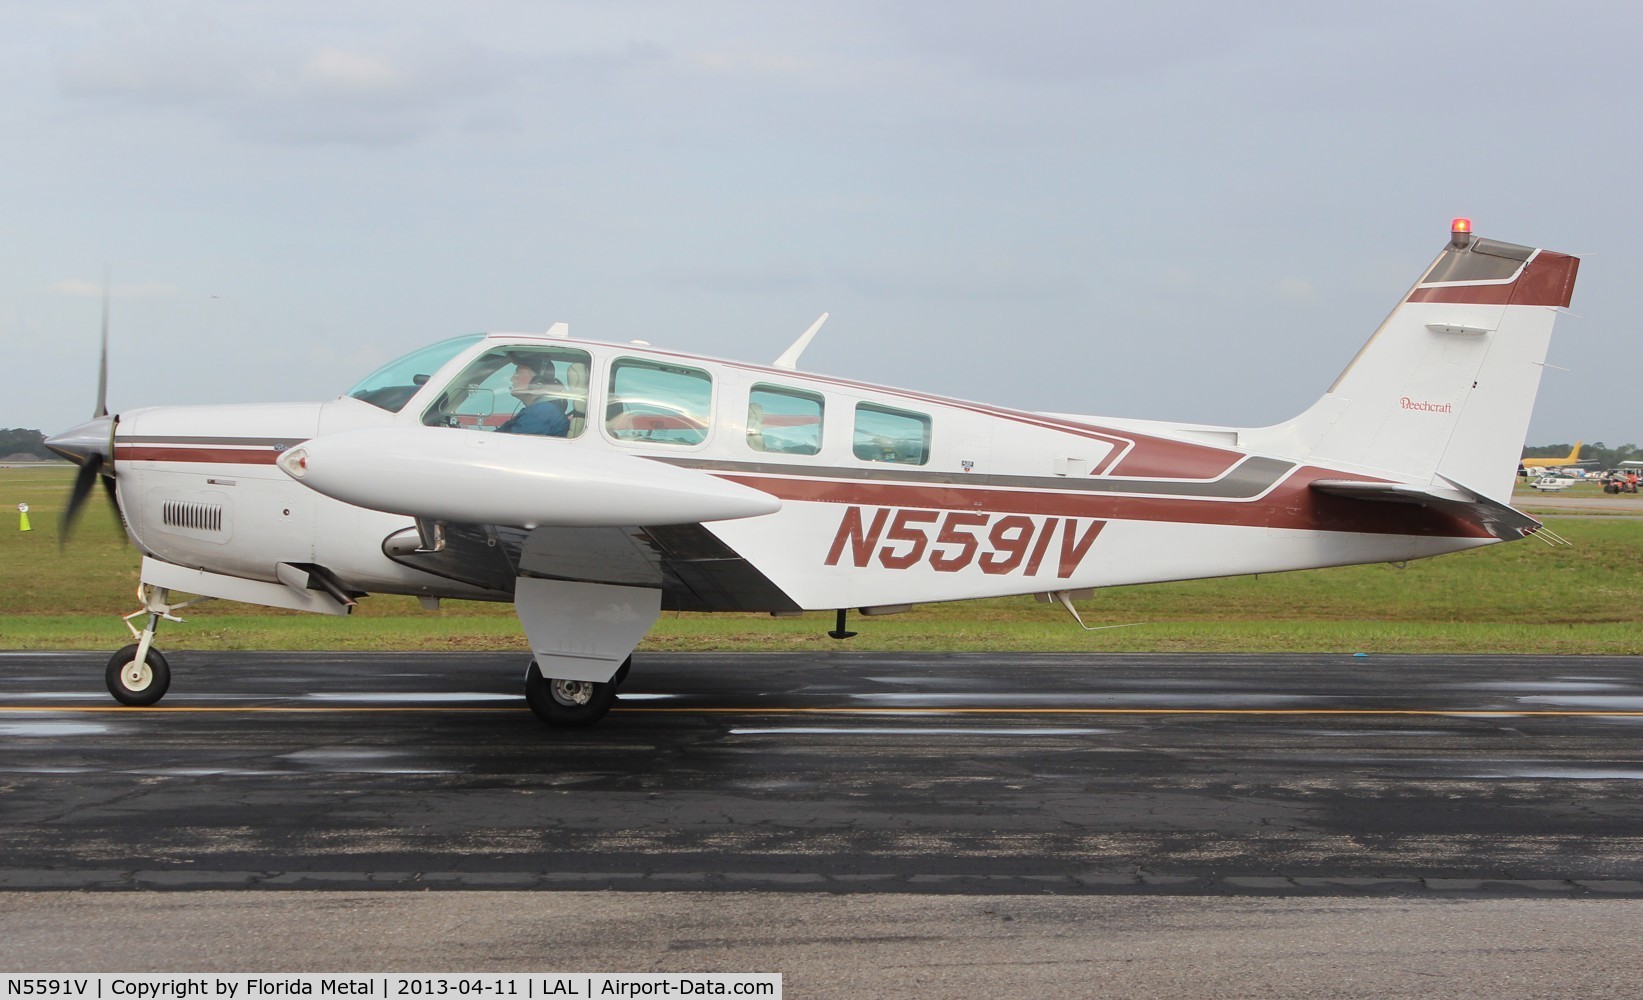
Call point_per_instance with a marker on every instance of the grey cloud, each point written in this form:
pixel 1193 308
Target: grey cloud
pixel 1066 40
pixel 751 280
pixel 290 90
pixel 960 284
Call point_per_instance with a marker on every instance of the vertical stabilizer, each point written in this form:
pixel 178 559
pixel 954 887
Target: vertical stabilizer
pixel 1444 389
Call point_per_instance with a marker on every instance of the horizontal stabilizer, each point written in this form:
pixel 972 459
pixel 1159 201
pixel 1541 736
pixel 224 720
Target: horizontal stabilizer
pixel 1467 506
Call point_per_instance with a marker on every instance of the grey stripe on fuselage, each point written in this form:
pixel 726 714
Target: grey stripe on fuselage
pixel 278 444
pixel 1249 479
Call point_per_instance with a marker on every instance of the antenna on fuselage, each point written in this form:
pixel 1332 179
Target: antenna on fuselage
pixel 839 631
pixel 790 357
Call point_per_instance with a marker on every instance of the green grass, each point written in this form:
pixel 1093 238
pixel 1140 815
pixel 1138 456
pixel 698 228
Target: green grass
pixel 1519 597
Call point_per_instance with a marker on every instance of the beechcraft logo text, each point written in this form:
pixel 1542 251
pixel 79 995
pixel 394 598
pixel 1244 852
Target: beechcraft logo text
pixel 997 544
pixel 1425 405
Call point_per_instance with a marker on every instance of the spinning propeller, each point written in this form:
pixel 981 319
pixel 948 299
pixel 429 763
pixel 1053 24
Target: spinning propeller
pixel 91 444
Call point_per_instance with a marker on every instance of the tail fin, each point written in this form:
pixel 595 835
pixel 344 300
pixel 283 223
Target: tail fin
pixel 1441 394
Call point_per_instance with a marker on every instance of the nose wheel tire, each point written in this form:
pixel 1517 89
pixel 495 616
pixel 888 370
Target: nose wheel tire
pixel 560 702
pixel 137 683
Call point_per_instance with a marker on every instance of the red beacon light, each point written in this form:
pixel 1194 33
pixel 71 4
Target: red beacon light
pixel 1460 233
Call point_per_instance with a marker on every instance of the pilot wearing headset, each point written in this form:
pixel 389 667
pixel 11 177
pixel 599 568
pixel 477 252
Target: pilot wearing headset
pixel 535 385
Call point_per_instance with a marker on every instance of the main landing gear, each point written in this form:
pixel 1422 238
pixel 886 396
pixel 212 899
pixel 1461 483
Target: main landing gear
pixel 139 675
pixel 560 702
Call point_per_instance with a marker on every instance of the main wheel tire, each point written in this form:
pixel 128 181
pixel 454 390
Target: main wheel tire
pixel 134 683
pixel 560 702
pixel 622 672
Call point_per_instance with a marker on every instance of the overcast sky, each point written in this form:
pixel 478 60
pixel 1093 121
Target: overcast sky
pixel 1161 210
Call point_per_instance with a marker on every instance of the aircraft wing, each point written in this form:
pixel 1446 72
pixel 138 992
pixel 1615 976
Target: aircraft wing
pixel 491 508
pixel 1467 506
pixel 694 569
pixel 523 481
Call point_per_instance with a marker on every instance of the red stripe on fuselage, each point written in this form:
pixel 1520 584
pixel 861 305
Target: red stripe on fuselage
pixel 1163 458
pixel 1291 504
pixel 210 456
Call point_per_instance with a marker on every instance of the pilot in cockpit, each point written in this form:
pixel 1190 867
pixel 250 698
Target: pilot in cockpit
pixel 535 385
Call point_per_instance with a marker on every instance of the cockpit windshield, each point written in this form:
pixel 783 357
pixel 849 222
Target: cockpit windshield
pixel 517 389
pixel 393 385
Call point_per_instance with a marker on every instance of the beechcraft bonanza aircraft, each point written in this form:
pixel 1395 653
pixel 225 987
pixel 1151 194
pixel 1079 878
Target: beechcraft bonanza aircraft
pixel 594 485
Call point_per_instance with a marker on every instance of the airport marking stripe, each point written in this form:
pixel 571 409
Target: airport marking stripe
pixel 1480 713
pixel 1467 712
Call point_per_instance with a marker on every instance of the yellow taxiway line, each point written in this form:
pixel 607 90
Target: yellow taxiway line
pixel 1480 713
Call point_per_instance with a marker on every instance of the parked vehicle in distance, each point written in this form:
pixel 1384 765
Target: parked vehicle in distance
pixel 1616 481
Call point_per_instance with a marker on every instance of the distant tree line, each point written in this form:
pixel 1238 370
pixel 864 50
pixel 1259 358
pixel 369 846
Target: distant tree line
pixel 23 441
pixel 1602 454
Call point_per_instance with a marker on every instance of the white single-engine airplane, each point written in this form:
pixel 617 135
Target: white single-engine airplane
pixel 594 485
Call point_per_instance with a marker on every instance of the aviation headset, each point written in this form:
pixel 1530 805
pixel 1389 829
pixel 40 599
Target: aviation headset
pixel 542 372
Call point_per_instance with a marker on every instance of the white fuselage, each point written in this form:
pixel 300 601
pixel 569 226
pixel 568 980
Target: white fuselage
pixel 887 498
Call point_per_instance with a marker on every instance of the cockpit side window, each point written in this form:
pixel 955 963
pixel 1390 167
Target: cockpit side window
pixel 658 403
pixel 393 385
pixel 520 389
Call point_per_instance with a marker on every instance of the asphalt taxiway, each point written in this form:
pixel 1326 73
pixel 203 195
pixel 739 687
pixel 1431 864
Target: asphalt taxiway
pixel 836 772
pixel 865 824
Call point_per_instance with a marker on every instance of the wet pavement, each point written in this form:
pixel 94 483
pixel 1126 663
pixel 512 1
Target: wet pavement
pixel 1249 775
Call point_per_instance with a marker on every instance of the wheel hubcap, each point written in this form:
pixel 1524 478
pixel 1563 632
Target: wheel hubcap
pixel 137 676
pixel 572 693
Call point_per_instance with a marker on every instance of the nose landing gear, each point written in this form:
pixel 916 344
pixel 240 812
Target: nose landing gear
pixel 136 676
pixel 139 675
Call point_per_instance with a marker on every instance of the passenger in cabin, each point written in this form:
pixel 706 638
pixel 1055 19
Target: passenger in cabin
pixel 542 395
pixel 755 428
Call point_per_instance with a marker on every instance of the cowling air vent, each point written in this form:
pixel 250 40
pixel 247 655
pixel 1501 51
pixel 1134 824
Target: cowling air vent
pixel 194 516
pixel 204 515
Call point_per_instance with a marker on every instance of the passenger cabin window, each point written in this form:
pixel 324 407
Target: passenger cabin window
pixel 786 421
pixel 658 403
pixel 520 389
pixel 887 435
